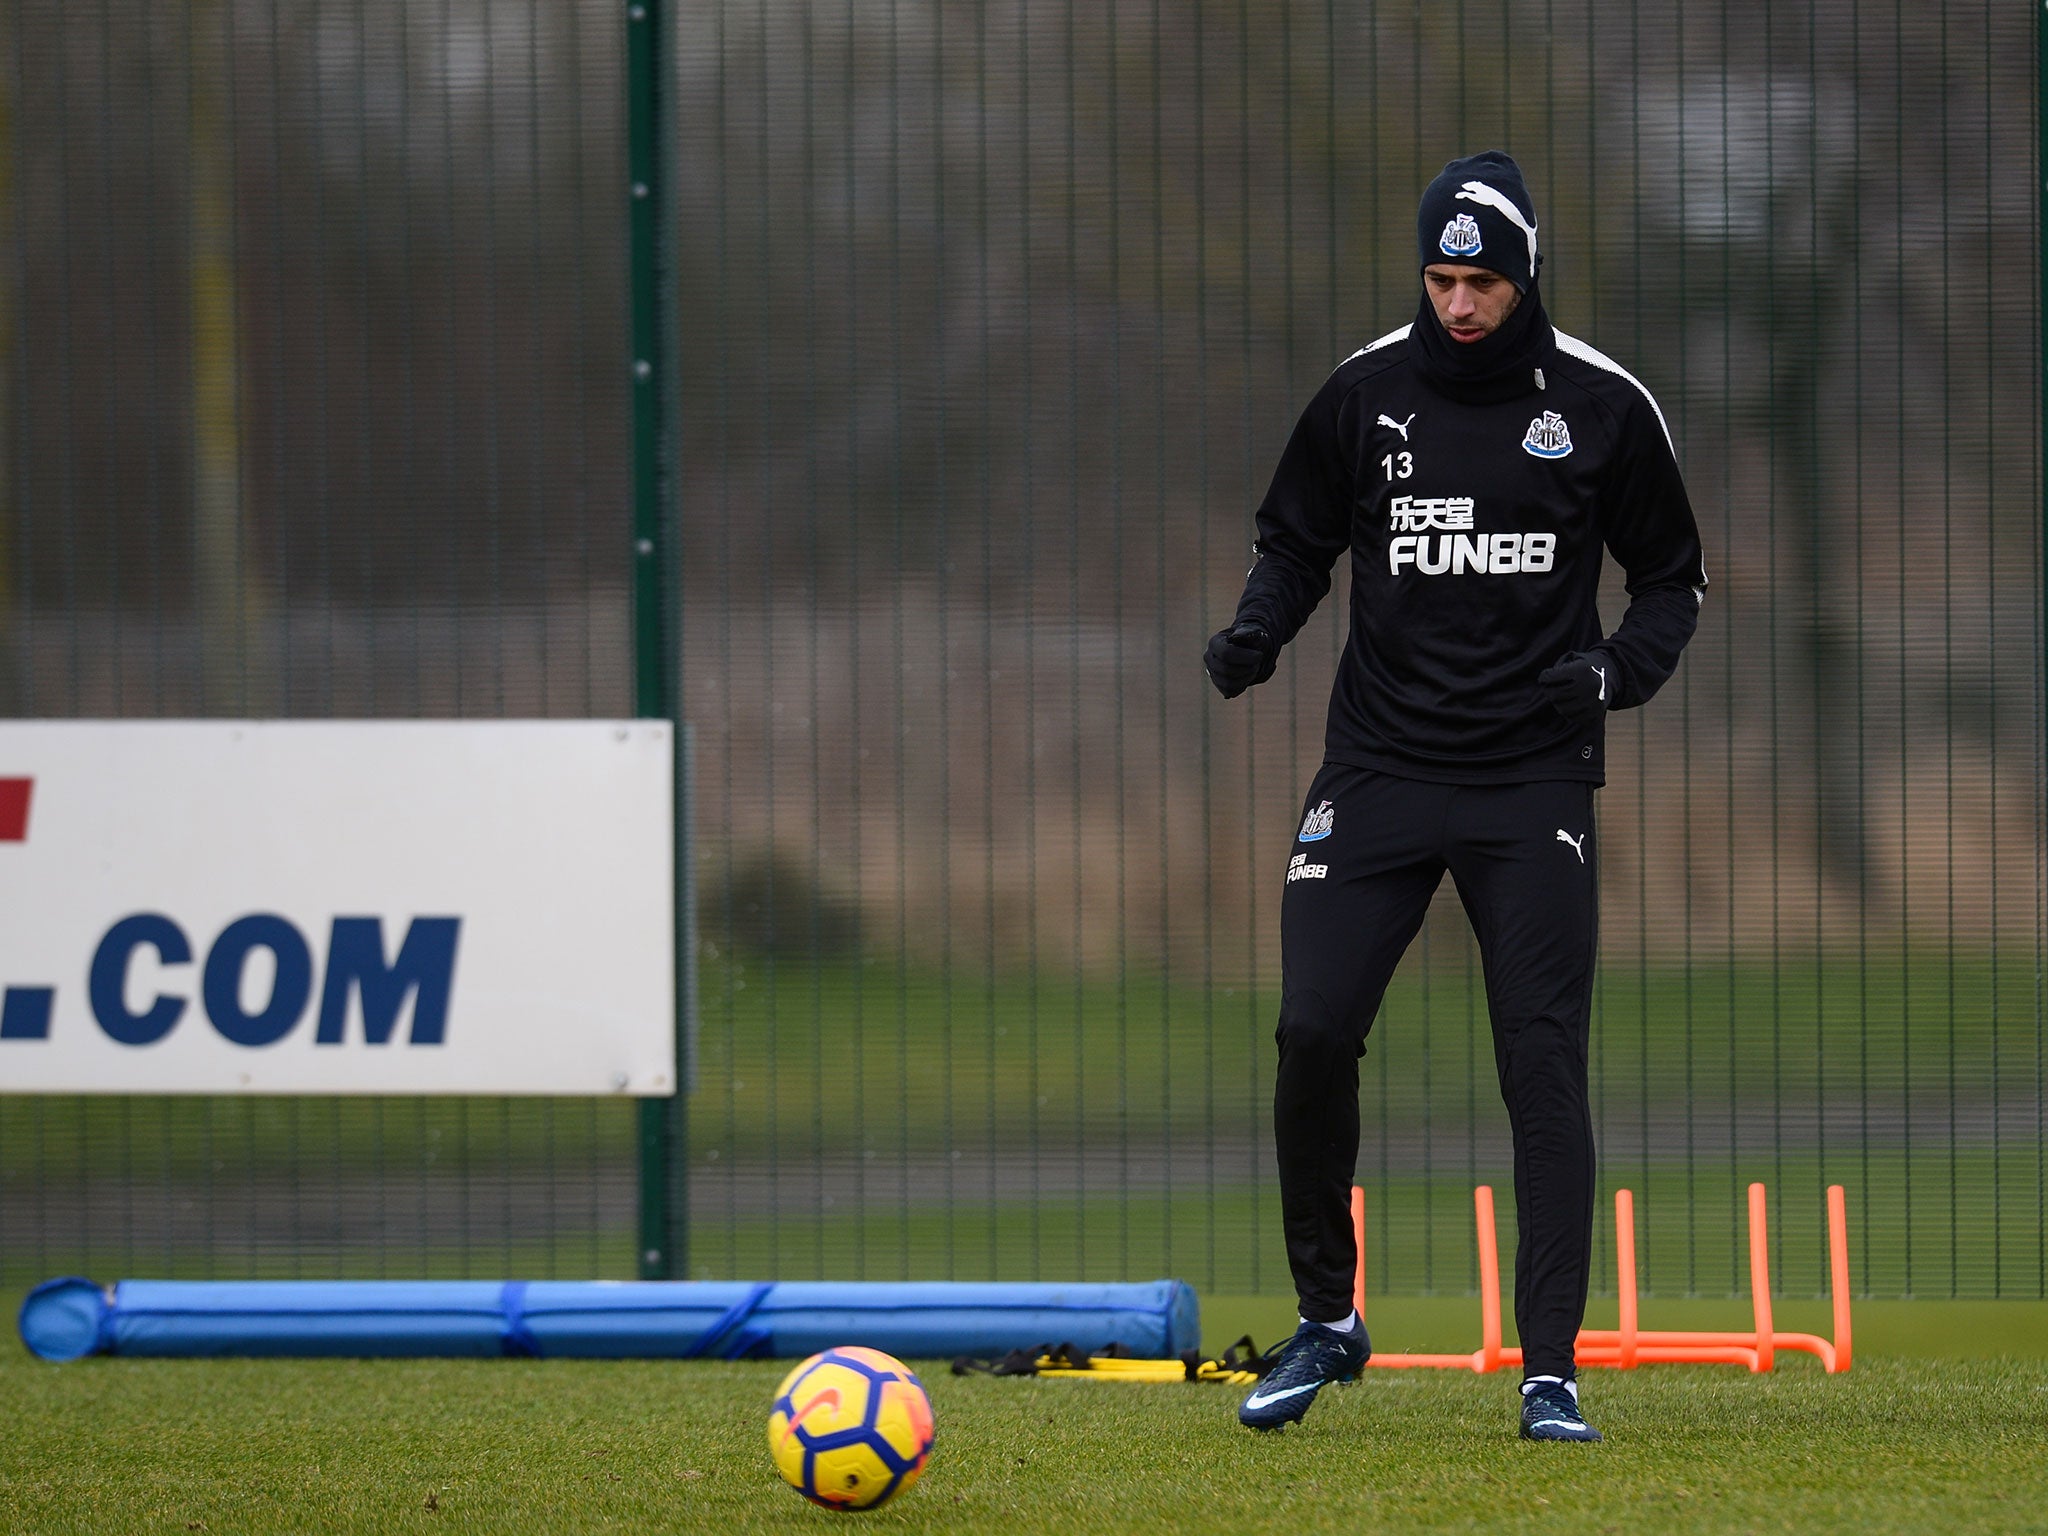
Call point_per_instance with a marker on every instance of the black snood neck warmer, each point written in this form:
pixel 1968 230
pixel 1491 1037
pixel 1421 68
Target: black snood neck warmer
pixel 1503 366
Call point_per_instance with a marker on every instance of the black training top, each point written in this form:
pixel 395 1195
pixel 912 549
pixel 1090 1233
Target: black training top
pixel 1475 531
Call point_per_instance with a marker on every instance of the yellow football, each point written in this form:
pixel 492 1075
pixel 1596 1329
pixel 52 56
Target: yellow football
pixel 850 1428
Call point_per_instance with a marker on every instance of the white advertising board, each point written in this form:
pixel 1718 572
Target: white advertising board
pixel 337 907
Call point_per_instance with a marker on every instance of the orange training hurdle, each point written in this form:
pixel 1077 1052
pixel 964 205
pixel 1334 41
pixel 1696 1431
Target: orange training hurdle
pixel 1630 1345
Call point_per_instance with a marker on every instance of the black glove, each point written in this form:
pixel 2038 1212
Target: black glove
pixel 1240 657
pixel 1580 687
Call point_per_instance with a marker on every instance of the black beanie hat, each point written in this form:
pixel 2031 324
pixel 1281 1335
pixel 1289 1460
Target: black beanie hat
pixel 1477 212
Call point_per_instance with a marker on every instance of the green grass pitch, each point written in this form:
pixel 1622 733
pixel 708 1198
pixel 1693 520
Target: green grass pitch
pixel 560 1447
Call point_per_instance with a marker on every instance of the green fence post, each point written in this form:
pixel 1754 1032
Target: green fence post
pixel 656 589
pixel 2041 361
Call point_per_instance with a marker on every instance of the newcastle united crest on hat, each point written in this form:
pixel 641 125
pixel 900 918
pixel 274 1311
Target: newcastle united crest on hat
pixel 1460 237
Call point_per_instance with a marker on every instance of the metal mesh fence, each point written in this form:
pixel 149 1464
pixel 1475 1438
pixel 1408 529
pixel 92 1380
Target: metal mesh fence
pixel 992 320
pixel 996 320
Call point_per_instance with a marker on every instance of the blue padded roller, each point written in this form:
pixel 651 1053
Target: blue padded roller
pixel 69 1318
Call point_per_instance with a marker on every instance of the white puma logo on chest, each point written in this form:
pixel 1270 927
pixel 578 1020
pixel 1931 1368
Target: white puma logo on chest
pixel 1399 426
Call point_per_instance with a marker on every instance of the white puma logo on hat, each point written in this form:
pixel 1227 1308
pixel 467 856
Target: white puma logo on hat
pixel 1479 192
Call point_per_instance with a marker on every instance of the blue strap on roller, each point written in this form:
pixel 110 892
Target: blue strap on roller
pixel 736 1314
pixel 750 1343
pixel 517 1341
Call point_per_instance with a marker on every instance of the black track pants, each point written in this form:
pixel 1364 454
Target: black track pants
pixel 1372 851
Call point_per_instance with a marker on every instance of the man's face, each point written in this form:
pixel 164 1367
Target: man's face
pixel 1470 302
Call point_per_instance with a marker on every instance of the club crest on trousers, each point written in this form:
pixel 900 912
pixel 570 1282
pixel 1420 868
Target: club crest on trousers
pixel 1319 823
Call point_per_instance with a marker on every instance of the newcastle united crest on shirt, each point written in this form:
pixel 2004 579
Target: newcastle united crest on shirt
pixel 1460 237
pixel 1549 437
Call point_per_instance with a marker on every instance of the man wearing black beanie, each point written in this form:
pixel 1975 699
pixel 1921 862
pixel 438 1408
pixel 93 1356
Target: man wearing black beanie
pixel 1475 464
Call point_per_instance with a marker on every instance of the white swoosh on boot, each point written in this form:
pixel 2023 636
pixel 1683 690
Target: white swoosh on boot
pixel 1257 1401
